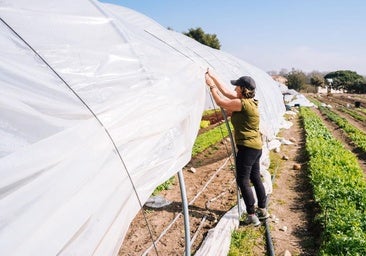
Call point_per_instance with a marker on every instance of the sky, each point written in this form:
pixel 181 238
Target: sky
pixel 274 35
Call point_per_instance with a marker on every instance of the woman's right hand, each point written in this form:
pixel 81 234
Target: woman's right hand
pixel 209 80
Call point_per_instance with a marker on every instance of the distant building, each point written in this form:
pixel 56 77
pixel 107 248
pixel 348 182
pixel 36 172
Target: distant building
pixel 324 90
pixel 328 88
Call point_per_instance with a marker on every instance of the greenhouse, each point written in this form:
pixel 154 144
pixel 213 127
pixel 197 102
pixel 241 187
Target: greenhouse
pixel 99 105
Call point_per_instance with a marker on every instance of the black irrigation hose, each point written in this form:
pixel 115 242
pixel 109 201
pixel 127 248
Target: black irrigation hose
pixel 269 242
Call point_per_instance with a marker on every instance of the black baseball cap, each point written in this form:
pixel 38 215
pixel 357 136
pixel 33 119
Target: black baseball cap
pixel 245 81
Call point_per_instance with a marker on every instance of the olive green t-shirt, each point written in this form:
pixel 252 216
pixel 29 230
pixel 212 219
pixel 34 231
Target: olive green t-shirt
pixel 246 124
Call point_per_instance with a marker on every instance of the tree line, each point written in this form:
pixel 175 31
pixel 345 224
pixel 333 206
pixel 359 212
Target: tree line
pixel 344 80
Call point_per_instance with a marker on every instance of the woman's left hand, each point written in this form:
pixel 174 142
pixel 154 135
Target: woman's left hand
pixel 209 80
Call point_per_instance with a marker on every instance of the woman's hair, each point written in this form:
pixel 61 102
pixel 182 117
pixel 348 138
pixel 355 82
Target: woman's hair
pixel 247 94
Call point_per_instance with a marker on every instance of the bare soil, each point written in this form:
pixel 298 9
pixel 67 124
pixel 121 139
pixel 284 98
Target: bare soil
pixel 211 192
pixel 291 203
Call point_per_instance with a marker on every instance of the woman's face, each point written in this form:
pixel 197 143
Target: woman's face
pixel 238 91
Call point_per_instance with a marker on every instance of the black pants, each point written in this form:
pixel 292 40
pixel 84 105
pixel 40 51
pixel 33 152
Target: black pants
pixel 248 170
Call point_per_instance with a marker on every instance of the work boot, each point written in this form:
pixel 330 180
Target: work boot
pixel 262 213
pixel 252 219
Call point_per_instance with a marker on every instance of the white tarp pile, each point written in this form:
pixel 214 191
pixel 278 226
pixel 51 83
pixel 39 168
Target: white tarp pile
pixel 99 105
pixel 293 98
pixel 283 87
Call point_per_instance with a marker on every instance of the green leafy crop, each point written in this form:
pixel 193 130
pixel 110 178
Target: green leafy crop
pixel 339 189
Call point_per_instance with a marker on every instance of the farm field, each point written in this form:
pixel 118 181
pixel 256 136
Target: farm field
pixel 211 192
pixel 343 106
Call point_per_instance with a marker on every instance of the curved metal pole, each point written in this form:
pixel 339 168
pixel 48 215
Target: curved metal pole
pixel 183 194
pixel 234 154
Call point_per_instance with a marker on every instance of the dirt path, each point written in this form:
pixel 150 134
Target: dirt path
pixel 291 202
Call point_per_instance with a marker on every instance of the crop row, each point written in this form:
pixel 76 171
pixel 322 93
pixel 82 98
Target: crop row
pixel 354 114
pixel 339 190
pixel 357 136
pixel 209 138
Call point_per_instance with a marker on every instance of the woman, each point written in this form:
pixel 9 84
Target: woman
pixel 245 120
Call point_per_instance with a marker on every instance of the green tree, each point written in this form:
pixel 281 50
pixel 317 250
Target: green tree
pixel 296 80
pixel 359 87
pixel 199 35
pixel 347 80
pixel 317 80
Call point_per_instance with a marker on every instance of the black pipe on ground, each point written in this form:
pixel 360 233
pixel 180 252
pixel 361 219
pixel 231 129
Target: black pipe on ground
pixel 269 243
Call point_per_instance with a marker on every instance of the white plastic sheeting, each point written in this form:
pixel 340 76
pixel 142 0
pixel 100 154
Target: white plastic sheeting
pixel 217 240
pixel 293 98
pixel 108 110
